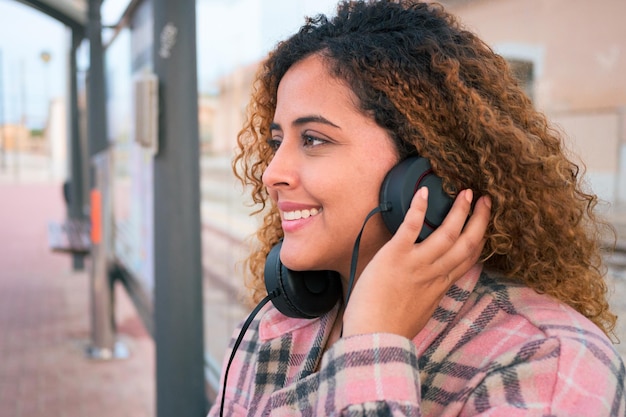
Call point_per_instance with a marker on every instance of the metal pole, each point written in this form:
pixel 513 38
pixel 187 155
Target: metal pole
pixel 3 151
pixel 76 198
pixel 103 340
pixel 23 121
pixel 104 345
pixel 179 337
pixel 96 92
pixel 45 57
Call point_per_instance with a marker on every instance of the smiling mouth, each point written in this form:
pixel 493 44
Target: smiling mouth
pixel 301 214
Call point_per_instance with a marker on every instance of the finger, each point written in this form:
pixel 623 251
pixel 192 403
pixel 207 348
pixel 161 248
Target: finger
pixel 445 236
pixel 456 219
pixel 468 247
pixel 414 219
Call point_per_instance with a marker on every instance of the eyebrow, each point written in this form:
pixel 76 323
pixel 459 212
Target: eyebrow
pixel 304 120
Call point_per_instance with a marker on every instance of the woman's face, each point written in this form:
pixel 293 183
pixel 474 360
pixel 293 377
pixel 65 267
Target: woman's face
pixel 326 174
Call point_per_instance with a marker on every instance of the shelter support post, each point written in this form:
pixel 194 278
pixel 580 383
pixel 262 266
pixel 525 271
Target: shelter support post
pixel 76 200
pixel 103 343
pixel 179 329
pixel 103 338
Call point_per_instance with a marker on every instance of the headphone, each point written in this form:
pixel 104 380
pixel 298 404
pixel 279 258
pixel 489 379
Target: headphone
pixel 310 294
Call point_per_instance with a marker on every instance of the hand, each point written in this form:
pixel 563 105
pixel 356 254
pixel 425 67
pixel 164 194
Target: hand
pixel 404 282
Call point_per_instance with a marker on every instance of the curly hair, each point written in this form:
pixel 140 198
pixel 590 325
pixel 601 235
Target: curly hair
pixel 441 92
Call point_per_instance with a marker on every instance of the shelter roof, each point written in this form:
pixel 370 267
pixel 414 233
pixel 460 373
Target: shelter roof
pixel 72 13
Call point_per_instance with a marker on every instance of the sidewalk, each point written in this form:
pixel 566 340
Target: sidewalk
pixel 45 328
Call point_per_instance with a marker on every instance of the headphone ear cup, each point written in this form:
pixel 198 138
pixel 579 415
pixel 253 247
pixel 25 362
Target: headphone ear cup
pixel 399 187
pixel 301 294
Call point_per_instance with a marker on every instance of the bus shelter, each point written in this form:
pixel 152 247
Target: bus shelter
pixel 165 129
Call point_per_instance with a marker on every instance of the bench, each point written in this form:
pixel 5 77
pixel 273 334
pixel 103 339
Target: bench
pixel 71 236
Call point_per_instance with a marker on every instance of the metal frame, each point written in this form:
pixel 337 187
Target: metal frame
pixel 76 203
pixel 69 15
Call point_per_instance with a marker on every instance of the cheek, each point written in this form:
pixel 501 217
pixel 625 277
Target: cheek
pixel 376 163
pixel 355 197
pixel 369 179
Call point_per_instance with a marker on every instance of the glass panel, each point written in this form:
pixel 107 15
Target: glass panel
pixel 128 60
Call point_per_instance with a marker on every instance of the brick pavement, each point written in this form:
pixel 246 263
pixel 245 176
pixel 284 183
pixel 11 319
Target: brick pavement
pixel 44 323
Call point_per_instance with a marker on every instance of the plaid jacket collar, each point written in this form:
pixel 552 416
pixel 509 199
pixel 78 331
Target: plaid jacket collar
pixel 274 324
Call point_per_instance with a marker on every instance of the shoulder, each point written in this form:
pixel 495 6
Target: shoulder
pixel 546 350
pixel 520 305
pixel 511 349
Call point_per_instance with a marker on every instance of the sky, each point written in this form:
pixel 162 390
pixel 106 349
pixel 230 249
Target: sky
pixel 28 84
pixel 248 29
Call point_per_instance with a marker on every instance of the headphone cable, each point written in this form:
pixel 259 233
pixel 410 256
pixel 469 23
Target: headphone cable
pixel 357 244
pixel 242 332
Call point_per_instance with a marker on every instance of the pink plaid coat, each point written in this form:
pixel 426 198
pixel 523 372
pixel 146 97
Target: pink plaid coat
pixel 492 348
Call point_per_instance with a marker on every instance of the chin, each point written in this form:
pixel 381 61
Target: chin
pixel 295 264
pixel 292 257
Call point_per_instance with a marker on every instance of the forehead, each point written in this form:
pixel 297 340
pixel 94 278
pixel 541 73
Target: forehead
pixel 308 86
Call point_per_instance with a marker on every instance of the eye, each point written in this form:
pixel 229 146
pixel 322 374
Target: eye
pixel 274 143
pixel 311 141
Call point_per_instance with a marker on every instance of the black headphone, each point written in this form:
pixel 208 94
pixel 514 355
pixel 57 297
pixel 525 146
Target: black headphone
pixel 310 294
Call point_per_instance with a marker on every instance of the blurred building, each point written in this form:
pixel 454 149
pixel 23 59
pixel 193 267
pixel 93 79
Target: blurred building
pixel 55 135
pixel 234 94
pixel 18 137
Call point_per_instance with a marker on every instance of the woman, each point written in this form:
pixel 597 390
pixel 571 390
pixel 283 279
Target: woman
pixel 502 310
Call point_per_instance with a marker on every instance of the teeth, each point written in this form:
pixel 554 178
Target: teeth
pixel 300 214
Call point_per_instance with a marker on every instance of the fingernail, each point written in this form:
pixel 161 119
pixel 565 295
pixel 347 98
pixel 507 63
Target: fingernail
pixel 423 193
pixel 487 201
pixel 469 195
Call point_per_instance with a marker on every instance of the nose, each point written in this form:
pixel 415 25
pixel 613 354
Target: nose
pixel 282 169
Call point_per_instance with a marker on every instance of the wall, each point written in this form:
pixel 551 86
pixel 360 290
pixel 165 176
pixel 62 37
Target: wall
pixel 578 50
